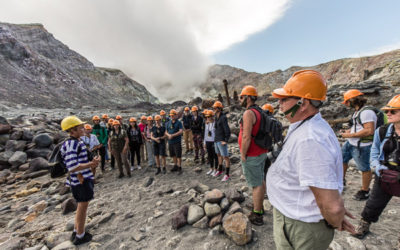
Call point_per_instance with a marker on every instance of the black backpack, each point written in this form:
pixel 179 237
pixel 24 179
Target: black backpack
pixel 270 131
pixel 57 167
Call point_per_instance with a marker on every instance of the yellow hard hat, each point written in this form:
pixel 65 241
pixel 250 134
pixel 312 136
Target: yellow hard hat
pixel 70 122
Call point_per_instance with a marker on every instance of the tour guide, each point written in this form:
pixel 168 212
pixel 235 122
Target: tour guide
pixel 305 182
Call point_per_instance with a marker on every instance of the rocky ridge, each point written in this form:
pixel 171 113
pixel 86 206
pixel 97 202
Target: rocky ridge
pixel 39 71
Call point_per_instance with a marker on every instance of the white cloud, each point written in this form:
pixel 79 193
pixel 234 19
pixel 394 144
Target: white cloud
pixel 164 44
pixel 379 50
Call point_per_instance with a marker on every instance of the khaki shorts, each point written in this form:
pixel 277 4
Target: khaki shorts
pixel 295 234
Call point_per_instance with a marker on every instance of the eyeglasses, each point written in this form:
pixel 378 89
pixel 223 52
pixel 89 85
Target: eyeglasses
pixel 241 97
pixel 392 112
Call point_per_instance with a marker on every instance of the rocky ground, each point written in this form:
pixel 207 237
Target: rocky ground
pixel 136 213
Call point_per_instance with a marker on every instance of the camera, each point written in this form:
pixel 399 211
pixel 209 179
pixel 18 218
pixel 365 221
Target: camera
pixel 273 154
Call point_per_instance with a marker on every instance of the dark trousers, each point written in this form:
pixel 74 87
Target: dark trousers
pixel 102 152
pixel 198 145
pixel 376 203
pixel 135 151
pixel 212 156
pixel 112 161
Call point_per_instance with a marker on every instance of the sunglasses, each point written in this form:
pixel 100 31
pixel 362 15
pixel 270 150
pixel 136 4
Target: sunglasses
pixel 392 112
pixel 241 97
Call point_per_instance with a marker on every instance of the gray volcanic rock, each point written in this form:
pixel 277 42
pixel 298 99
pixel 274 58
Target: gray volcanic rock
pixel 43 140
pixel 40 71
pixel 18 158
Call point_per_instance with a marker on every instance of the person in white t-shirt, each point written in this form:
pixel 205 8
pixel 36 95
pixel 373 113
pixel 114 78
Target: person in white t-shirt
pixel 304 184
pixel 359 139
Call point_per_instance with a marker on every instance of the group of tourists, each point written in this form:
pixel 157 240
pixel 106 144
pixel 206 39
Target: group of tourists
pixel 303 174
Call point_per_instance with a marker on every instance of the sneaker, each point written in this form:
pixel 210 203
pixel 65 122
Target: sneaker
pixel 164 170
pixel 203 161
pixel 132 168
pixel 86 238
pixel 158 171
pixel 179 170
pixel 362 229
pixel 213 172
pixel 226 177
pixel 256 219
pixel 175 168
pixel 120 176
pixel 218 173
pixel 139 167
pixel 209 172
pixel 72 236
pixel 361 195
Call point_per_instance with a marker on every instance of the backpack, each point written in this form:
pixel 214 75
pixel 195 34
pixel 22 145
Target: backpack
pixel 270 131
pixel 57 166
pixel 381 120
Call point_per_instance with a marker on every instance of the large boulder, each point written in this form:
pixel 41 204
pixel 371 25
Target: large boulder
pixel 237 227
pixel 43 140
pixel 214 196
pixel 38 164
pixel 4 157
pixel 18 158
pixel 216 220
pixel 38 152
pixel 195 213
pixel 235 195
pixel 13 145
pixel 16 135
pixel 212 209
pixel 15 243
pixel 180 218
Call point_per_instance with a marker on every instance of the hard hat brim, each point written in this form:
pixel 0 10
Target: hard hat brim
pixel 280 93
pixel 390 108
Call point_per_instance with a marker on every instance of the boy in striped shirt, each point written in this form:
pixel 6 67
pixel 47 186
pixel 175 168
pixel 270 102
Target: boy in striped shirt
pixel 74 155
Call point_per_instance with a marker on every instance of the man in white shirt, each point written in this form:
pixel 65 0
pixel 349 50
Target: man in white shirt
pixel 305 182
pixel 359 139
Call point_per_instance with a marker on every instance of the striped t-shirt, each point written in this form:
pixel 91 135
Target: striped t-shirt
pixel 69 152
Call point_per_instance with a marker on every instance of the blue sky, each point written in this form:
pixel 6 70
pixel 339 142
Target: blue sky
pixel 316 31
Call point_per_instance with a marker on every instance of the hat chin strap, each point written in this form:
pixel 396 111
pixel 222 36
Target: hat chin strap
pixel 293 110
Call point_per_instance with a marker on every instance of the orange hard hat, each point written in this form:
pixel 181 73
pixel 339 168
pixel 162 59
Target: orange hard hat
pixel 249 90
pixel 309 84
pixel 218 104
pixel 149 118
pixel 172 112
pixel 162 112
pixel 187 109
pixel 351 93
pixel 205 111
pixel 96 118
pixel 105 116
pixel 195 108
pixel 132 119
pixel 143 117
pixel 268 107
pixel 115 122
pixel 110 121
pixel 394 103
pixel 157 117
pixel 87 126
pixel 118 117
pixel 209 113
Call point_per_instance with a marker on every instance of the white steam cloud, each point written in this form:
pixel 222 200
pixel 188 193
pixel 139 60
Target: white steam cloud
pixel 164 44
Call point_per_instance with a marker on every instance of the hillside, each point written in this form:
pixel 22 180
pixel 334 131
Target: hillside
pixel 384 68
pixel 38 70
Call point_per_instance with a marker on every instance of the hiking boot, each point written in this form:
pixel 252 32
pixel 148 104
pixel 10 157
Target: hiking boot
pixel 86 238
pixel 120 176
pixel 179 170
pixel 256 219
pixel 362 229
pixel 129 175
pixel 72 236
pixel 158 171
pixel 361 195
pixel 196 158
pixel 175 168
pixel 203 161
pixel 164 170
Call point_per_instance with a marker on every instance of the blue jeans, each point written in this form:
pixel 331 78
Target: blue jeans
pixel 359 154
